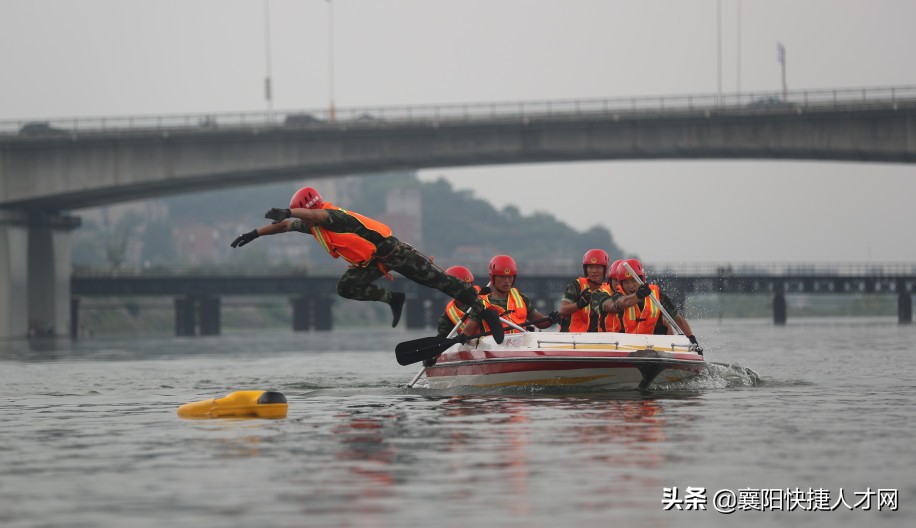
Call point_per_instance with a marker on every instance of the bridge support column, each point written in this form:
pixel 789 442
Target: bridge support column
pixel 14 267
pixel 417 312
pixel 302 314
pixel 905 307
pixel 35 273
pixel 74 318
pixel 321 308
pixel 197 316
pixel 779 308
pixel 184 317
pixel 311 313
pixel 208 309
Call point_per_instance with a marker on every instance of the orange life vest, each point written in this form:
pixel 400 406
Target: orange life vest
pixel 636 321
pixel 514 304
pixel 611 321
pixel 455 314
pixel 580 319
pixel 353 248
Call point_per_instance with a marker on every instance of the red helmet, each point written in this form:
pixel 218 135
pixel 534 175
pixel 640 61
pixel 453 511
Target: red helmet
pixel 502 266
pixel 306 198
pixel 462 273
pixel 594 257
pixel 612 273
pixel 623 274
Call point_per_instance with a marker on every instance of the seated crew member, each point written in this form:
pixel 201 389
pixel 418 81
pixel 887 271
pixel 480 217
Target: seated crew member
pixel 639 315
pixel 612 276
pixel 508 301
pixel 454 314
pixel 576 304
pixel 368 246
pixel 609 321
pixel 454 317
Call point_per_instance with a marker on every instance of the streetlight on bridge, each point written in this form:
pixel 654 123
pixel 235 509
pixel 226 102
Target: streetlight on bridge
pixel 331 110
pixel 268 95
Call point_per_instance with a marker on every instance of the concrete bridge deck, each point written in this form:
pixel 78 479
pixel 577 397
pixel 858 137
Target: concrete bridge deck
pixel 51 167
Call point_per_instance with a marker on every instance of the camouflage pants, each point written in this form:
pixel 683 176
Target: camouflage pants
pixel 356 283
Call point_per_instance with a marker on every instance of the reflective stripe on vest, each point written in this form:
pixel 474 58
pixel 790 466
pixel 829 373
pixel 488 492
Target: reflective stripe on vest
pixel 454 314
pixel 612 321
pixel 514 304
pixel 580 320
pixel 353 248
pixel 643 321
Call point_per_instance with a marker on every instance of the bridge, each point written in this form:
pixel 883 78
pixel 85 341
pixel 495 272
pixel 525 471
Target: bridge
pixel 197 298
pixel 53 166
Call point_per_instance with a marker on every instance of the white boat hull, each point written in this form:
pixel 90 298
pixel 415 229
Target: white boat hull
pixel 592 360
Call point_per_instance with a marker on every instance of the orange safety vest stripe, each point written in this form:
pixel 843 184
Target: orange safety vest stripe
pixel 579 320
pixel 514 304
pixel 353 248
pixel 454 314
pixel 644 321
pixel 612 323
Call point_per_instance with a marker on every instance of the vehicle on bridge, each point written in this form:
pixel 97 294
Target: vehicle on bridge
pixel 41 128
pixel 772 103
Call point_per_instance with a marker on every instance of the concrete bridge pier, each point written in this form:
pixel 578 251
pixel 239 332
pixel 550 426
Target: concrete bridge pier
pixel 418 312
pixel 35 273
pixel 779 306
pixel 905 307
pixel 195 315
pixel 309 312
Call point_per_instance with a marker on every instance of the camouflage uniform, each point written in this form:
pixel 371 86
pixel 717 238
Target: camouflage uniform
pixel 599 297
pixel 572 295
pixel 393 255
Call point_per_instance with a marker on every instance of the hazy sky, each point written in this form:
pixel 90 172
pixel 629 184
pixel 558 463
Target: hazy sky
pixel 64 58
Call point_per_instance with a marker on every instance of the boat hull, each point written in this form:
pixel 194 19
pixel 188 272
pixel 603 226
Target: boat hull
pixel 596 361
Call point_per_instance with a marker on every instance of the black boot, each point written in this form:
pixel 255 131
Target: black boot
pixel 397 305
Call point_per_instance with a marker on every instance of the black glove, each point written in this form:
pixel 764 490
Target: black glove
pixel 554 317
pixel 278 215
pixel 697 347
pixel 643 291
pixel 484 291
pixel 584 299
pixel 245 238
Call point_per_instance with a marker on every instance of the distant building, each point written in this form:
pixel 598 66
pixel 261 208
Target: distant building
pixel 196 243
pixel 404 214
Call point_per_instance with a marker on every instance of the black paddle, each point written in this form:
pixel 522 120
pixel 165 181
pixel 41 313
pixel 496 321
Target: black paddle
pixel 426 347
pixel 410 352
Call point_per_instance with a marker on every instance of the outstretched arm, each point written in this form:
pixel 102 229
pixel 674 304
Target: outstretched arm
pixel 269 229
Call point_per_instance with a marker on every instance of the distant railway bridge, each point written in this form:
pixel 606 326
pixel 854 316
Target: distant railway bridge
pixel 198 299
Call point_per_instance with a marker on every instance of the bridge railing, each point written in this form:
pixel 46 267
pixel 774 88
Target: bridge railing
pixel 367 116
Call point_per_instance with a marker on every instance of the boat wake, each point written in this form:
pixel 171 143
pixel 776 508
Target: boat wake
pixel 720 376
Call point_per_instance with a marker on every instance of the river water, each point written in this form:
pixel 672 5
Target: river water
pixel 89 436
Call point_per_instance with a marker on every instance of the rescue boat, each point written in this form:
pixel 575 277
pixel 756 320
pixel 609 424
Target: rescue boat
pixel 592 360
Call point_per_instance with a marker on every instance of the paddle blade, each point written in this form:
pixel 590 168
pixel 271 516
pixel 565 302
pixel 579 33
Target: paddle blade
pixel 417 350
